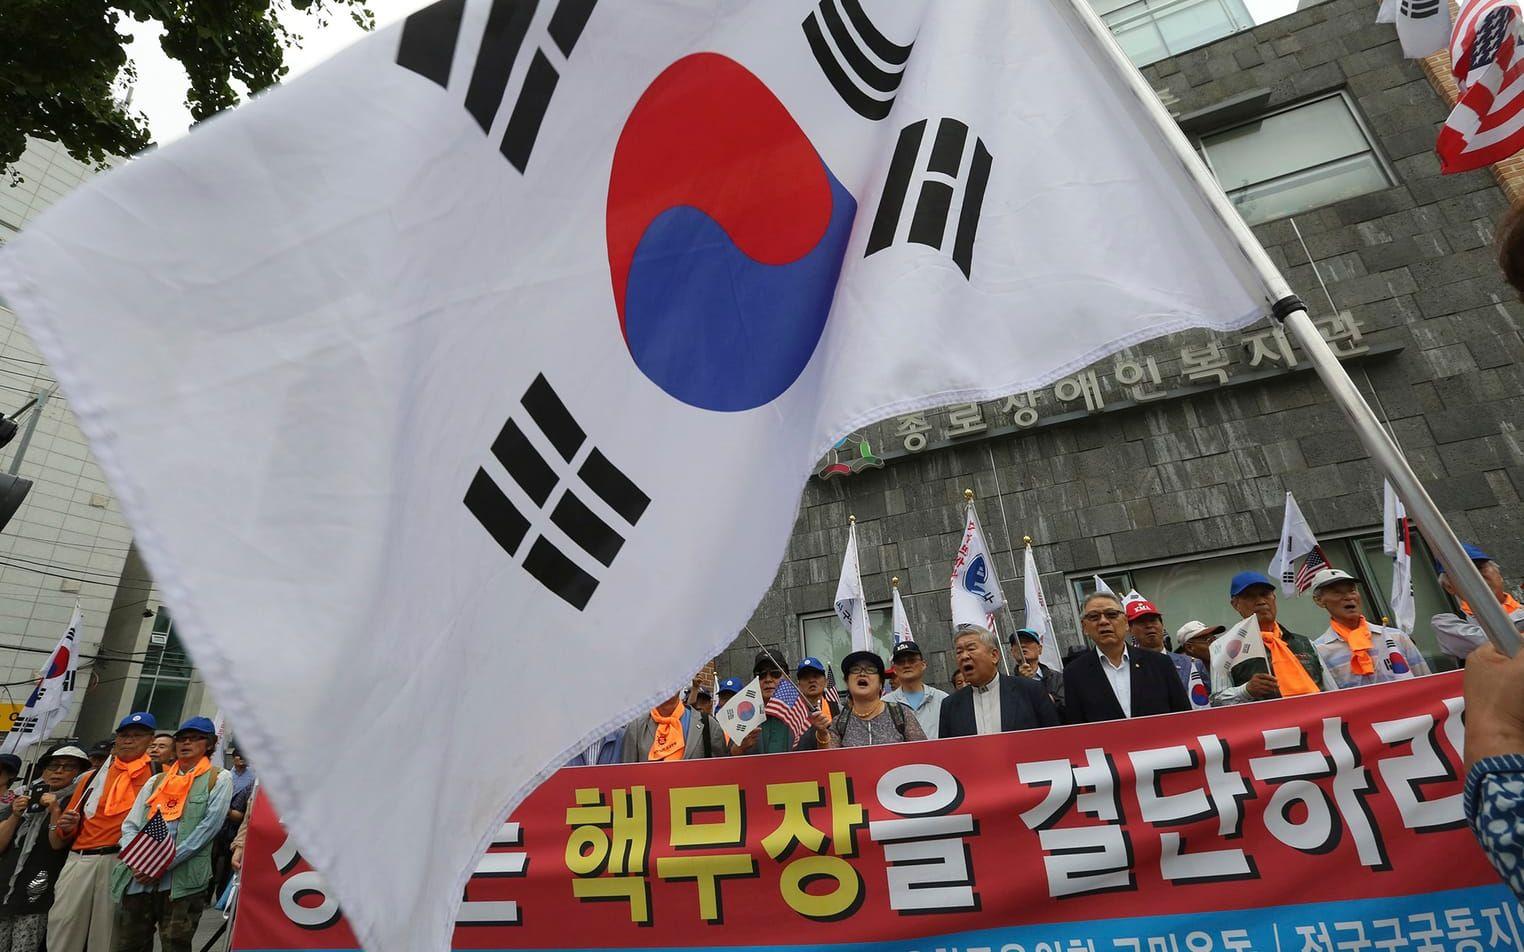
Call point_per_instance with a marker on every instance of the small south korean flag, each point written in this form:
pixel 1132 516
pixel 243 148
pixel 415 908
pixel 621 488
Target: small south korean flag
pixel 743 713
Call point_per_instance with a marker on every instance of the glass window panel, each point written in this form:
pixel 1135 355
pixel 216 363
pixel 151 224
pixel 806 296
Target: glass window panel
pixel 1199 590
pixel 1284 143
pixel 1311 188
pixel 1188 25
pixel 164 699
pixel 826 639
pixel 1142 43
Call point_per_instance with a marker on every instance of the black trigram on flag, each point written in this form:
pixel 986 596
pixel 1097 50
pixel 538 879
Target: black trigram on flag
pixel 952 175
pixel 428 45
pixel 1420 9
pixel 862 64
pixel 587 469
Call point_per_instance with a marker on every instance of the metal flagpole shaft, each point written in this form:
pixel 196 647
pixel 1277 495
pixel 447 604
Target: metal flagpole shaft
pixel 1005 523
pixel 1289 310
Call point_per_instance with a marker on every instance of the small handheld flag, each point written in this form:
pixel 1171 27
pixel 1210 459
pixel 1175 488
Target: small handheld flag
pixel 1297 540
pixel 152 850
pixel 743 713
pixel 789 706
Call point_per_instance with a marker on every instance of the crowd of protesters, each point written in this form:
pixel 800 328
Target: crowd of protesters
pixel 64 885
pixel 1129 669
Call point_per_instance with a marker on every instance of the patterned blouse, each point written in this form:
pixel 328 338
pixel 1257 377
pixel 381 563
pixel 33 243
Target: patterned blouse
pixel 1495 810
pixel 879 730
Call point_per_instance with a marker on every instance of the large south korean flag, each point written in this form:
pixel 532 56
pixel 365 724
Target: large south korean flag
pixel 460 394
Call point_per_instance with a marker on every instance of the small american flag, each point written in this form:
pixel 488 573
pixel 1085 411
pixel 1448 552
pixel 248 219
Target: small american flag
pixel 791 708
pixel 152 850
pixel 833 697
pixel 1314 563
pixel 1484 126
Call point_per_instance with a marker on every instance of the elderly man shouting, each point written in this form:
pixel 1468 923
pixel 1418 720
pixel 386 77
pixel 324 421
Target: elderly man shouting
pixel 1355 652
pixel 991 702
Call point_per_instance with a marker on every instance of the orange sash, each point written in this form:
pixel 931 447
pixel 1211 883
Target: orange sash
pixel 1509 603
pixel 1292 678
pixel 119 793
pixel 169 796
pixel 1358 639
pixel 669 742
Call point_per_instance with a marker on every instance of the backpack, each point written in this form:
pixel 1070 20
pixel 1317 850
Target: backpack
pixel 896 714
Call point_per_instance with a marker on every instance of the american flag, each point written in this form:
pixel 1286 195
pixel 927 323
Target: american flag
pixel 1314 563
pixel 1487 123
pixel 152 850
pixel 792 709
pixel 832 695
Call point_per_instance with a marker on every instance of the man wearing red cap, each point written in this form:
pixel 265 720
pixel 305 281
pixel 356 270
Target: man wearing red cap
pixel 1145 628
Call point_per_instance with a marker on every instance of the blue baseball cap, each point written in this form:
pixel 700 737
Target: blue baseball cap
pixel 1021 633
pixel 810 664
pixel 731 686
pixel 1245 580
pixel 1473 552
pixel 141 719
pixel 201 725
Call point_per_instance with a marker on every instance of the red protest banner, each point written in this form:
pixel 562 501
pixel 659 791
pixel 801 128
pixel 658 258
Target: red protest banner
pixel 1299 822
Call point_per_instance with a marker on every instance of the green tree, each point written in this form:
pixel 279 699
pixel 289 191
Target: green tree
pixel 64 65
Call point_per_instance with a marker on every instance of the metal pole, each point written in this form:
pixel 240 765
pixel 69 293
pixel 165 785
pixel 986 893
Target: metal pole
pixel 1289 310
pixel 31 427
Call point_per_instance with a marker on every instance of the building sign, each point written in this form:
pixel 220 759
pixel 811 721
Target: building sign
pixel 1327 822
pixel 1120 383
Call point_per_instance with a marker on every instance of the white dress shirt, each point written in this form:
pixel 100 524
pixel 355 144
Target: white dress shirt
pixel 1120 677
pixel 987 706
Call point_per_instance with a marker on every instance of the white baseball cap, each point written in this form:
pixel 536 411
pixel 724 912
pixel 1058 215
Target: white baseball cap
pixel 1195 629
pixel 1326 577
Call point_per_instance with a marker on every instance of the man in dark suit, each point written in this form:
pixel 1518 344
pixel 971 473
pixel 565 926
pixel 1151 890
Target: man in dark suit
pixel 992 703
pixel 1112 682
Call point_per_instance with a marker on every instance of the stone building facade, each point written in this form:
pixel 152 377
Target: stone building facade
pixel 1166 468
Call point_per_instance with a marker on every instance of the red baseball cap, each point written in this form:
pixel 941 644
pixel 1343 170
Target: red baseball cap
pixel 1137 609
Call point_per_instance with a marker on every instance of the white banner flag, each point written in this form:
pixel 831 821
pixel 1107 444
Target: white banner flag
pixel 419 344
pixel 851 603
pixel 1297 540
pixel 1423 26
pixel 1397 541
pixel 900 620
pixel 976 594
pixel 53 696
pixel 1037 613
pixel 1200 696
pixel 1102 587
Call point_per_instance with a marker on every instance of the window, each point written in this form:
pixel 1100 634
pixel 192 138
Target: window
pixel 1152 30
pixel 1295 159
pixel 1199 590
pixel 822 635
pixel 165 678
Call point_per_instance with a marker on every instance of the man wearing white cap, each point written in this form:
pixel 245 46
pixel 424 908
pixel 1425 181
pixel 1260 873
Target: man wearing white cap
pixel 1194 639
pixel 1355 652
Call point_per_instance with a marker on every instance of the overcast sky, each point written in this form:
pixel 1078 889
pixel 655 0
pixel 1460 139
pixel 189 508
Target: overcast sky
pixel 160 89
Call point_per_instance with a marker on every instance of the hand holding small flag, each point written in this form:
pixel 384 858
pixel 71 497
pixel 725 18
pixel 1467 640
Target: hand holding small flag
pixel 152 851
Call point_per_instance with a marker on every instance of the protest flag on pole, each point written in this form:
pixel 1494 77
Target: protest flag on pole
pixel 1037 611
pixel 1101 586
pixel 851 603
pixel 1397 541
pixel 975 587
pixel 899 620
pixel 53 696
pixel 1297 541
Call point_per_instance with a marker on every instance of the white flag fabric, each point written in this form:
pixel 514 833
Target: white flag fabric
pixel 900 621
pixel 1037 613
pixel 1102 587
pixel 418 378
pixel 851 603
pixel 1131 596
pixel 1423 26
pixel 53 696
pixel 975 588
pixel 743 713
pixel 1296 541
pixel 1243 643
pixel 220 756
pixel 1397 541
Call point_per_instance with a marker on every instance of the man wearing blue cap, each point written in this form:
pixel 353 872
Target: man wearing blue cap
pixel 92 827
pixel 729 688
pixel 1026 661
pixel 810 679
pixel 191 796
pixel 912 690
pixel 1460 635
pixel 1266 661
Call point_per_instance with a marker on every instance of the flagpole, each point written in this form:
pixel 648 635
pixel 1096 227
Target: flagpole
pixel 1005 523
pixel 1289 311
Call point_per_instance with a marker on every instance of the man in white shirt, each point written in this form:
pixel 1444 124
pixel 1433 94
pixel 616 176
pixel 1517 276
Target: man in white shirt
pixel 992 702
pixel 913 691
pixel 1459 635
pixel 1113 682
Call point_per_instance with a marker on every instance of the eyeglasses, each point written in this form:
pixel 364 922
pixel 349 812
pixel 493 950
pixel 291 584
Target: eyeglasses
pixel 1109 615
pixel 857 669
